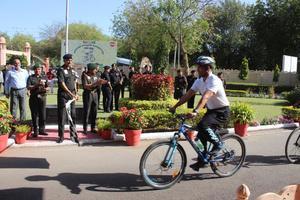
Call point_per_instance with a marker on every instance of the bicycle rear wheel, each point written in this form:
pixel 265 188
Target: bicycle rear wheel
pixel 292 147
pixel 154 169
pixel 231 158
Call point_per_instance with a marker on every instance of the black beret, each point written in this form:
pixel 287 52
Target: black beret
pixel 67 56
pixel 106 67
pixel 91 66
pixel 35 66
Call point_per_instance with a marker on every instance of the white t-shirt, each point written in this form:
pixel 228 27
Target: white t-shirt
pixel 214 84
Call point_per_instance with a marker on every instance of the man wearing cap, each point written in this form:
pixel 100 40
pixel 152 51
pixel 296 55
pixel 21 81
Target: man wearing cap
pixel 37 84
pixel 191 79
pixel 215 100
pixel 99 87
pixel 67 90
pixel 106 90
pixel 116 80
pixel 15 88
pixel 90 84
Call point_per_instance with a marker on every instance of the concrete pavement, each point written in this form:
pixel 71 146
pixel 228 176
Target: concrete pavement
pixel 110 171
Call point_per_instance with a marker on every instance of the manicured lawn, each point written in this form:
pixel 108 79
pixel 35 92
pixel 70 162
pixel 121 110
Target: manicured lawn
pixel 264 108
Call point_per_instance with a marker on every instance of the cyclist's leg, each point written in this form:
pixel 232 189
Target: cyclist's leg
pixel 211 120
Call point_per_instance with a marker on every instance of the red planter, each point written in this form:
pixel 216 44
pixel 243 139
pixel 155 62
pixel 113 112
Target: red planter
pixel 105 134
pixel 21 138
pixel 192 135
pixel 3 142
pixel 241 129
pixel 133 137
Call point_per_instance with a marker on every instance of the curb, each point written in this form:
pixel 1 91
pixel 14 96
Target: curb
pixel 145 136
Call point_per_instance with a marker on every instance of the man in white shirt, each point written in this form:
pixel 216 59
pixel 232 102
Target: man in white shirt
pixel 216 102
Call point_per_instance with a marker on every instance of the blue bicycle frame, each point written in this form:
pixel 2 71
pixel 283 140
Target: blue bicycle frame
pixel 174 143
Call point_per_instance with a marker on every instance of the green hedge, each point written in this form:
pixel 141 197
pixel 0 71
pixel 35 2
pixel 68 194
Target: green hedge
pixel 255 88
pixel 147 105
pixel 236 93
pixel 160 119
pixel 291 112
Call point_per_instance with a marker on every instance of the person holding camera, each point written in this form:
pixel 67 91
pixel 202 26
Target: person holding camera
pixel 90 84
pixel 37 85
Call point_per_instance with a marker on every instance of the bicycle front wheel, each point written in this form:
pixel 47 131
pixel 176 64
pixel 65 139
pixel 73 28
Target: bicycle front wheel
pixel 163 164
pixel 292 147
pixel 231 158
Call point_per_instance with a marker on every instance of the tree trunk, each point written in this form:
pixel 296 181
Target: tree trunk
pixel 185 59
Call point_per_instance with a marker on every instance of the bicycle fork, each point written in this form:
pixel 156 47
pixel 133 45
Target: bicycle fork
pixel 167 162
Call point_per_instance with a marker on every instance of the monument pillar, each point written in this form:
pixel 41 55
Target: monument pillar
pixel 2 51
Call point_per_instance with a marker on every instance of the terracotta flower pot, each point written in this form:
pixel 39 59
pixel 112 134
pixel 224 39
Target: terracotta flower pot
pixel 105 134
pixel 21 138
pixel 241 129
pixel 3 142
pixel 133 137
pixel 192 135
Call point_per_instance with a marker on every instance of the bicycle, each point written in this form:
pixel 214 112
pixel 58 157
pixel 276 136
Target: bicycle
pixel 292 146
pixel 170 159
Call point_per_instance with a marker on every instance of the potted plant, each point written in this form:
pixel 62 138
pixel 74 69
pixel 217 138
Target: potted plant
pixel 241 115
pixel 22 131
pixel 5 128
pixel 104 128
pixel 133 123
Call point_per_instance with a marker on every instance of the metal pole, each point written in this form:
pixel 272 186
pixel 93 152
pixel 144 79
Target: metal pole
pixel 67 26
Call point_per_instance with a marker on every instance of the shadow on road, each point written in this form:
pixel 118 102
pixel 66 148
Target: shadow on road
pixel 22 194
pixel 19 162
pixel 199 176
pixel 259 160
pixel 110 182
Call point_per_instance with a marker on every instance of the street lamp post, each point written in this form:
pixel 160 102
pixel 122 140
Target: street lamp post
pixel 67 26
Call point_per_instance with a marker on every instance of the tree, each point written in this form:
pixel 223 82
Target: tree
pixel 275 27
pixel 276 74
pixel 244 71
pixel 229 24
pixel 18 41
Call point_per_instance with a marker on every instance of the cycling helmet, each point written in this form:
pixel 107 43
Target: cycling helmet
pixel 206 60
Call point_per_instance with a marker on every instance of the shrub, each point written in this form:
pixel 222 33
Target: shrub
pixel 152 87
pixel 147 105
pixel 293 96
pixel 159 119
pixel 22 128
pixel 244 69
pixel 6 121
pixel 291 113
pixel 133 119
pixel 104 124
pixel 255 88
pixel 241 113
pixel 276 74
pixel 236 93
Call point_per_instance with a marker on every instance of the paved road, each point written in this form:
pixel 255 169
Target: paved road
pixel 111 172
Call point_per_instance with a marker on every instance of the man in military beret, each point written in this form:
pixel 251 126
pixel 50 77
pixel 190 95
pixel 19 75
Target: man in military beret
pixel 90 84
pixel 106 90
pixel 67 90
pixel 37 85
pixel 116 80
pixel 99 87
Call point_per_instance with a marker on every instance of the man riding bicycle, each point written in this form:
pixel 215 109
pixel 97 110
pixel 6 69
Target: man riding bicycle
pixel 214 99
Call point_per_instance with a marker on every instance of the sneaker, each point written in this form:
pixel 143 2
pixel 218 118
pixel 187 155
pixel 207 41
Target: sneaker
pixel 200 164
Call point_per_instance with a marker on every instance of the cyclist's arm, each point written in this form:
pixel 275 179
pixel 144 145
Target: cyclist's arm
pixel 204 99
pixel 185 98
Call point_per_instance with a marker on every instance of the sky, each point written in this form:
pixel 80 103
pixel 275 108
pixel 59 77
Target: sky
pixel 30 16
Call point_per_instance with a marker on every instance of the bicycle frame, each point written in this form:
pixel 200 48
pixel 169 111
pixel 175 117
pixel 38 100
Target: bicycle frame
pixel 183 129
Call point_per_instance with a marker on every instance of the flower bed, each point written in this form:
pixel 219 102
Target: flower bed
pixel 291 113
